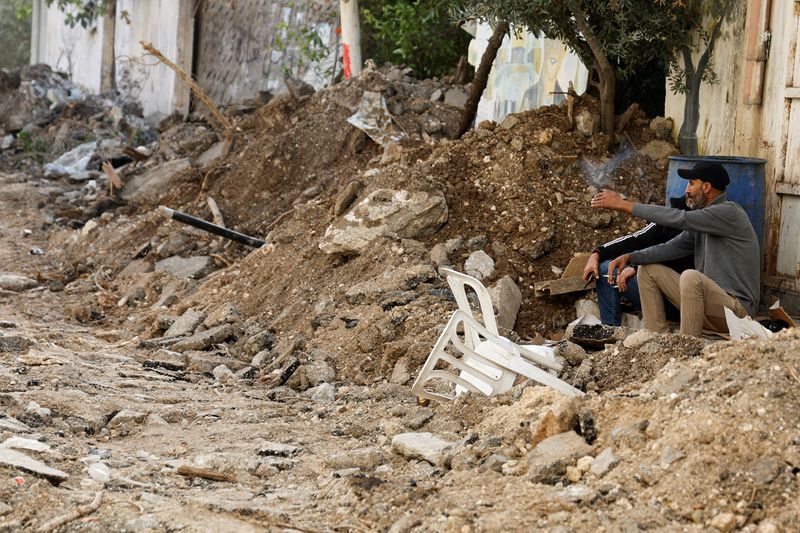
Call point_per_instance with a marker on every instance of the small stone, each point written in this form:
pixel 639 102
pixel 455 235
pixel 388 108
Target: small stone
pixel 424 446
pixel 479 265
pixel 585 463
pixel 16 282
pixel 99 472
pixel 324 393
pixel 224 314
pixel 5 509
pixel 15 343
pixel 560 417
pixel 126 417
pixel 400 373
pixel 363 458
pixel 192 267
pixel 223 374
pixel 639 338
pixel 574 474
pixel 767 527
pixel 186 324
pixel 277 449
pixel 724 522
pixel 604 462
pixel 669 456
pixel 439 255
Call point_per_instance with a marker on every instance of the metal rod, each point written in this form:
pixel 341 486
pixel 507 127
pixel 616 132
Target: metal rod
pixel 212 228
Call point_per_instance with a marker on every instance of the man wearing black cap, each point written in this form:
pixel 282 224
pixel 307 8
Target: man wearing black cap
pixel 609 294
pixel 717 233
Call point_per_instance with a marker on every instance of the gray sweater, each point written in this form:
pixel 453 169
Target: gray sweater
pixel 722 240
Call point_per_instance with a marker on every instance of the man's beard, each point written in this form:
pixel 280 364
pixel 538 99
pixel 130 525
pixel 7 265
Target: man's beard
pixel 696 202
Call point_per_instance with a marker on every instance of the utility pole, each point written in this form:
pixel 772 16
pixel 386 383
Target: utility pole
pixel 351 38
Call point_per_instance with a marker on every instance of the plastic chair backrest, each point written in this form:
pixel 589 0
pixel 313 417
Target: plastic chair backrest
pixel 457 282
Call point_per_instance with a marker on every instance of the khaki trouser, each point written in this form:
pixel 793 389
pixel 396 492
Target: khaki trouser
pixel 701 301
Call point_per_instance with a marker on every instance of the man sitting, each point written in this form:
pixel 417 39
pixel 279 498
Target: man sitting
pixel 717 233
pixel 608 295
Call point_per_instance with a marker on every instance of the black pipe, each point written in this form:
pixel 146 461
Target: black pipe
pixel 212 228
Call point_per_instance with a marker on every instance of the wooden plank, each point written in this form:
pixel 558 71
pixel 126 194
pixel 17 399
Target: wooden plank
pixel 794 70
pixel 561 286
pixel 791 172
pixel 791 189
pixel 792 92
pixel 571 279
pixel 789 241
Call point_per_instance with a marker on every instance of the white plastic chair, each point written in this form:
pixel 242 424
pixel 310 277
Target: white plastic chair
pixel 540 355
pixel 484 370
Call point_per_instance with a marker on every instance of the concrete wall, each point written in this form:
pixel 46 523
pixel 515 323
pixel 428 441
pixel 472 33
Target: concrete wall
pixel 169 26
pixel 244 48
pixel 85 54
pixel 748 113
pixel 526 72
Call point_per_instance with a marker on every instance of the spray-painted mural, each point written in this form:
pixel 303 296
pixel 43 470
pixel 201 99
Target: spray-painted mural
pixel 530 71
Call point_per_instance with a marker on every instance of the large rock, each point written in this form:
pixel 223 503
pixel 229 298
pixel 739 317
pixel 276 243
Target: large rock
pixel 424 446
pixel 192 267
pixel 405 213
pixel 16 283
pixel 506 300
pixel 548 462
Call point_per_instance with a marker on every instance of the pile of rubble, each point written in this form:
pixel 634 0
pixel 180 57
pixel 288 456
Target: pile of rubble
pixel 233 385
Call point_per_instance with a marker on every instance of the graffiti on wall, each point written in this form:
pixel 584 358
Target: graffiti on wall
pixel 530 71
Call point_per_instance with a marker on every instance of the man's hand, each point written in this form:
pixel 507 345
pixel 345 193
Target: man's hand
pixel 617 265
pixel 611 200
pixel 592 268
pixel 623 277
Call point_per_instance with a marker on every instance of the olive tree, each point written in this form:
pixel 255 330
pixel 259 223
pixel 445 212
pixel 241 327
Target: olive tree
pixel 613 38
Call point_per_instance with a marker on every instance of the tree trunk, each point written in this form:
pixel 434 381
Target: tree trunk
pixel 605 72
pixel 607 94
pixel 687 136
pixel 481 77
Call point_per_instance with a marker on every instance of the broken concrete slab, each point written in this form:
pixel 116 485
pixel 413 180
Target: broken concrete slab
pixel 204 339
pixel 560 417
pixel 16 282
pixel 424 446
pixel 192 267
pixel 408 214
pixel 186 324
pixel 21 443
pixel 21 461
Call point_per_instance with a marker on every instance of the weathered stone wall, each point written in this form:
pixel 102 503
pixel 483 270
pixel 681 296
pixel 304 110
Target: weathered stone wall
pixel 247 46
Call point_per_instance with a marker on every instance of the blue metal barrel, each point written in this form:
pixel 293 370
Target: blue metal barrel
pixel 747 187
